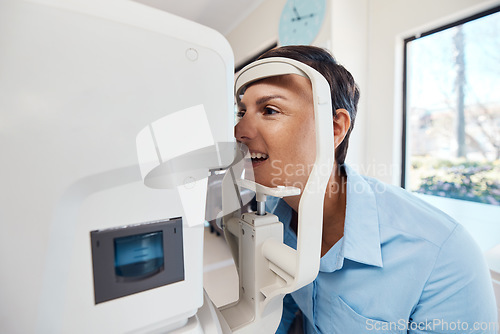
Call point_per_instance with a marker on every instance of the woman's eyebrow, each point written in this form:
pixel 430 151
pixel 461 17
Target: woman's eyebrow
pixel 265 99
pixel 261 100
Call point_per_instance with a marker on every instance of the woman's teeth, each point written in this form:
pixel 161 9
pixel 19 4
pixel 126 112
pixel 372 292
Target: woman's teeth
pixel 258 155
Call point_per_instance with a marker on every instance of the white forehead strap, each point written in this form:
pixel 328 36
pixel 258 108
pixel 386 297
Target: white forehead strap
pixel 265 68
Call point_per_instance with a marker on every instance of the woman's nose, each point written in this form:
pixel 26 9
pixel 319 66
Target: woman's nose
pixel 245 129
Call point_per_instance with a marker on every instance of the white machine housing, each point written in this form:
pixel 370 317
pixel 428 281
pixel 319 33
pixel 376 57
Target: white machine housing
pixel 78 81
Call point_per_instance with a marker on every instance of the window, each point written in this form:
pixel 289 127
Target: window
pixel 452 110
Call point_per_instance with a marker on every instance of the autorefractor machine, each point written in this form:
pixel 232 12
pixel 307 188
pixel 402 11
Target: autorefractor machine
pixel 113 117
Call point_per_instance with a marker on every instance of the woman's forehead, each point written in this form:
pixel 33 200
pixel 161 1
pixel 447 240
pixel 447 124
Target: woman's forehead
pixel 289 82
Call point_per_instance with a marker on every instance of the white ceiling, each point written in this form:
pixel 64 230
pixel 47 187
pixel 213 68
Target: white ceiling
pixel 221 15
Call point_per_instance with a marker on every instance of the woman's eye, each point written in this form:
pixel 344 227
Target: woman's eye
pixel 240 113
pixel 270 111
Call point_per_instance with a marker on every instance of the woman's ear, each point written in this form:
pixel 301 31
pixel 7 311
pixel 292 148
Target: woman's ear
pixel 341 124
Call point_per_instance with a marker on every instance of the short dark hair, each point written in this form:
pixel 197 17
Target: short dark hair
pixel 343 88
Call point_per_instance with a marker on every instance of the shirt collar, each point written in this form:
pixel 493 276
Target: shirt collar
pixel 361 228
pixel 361 240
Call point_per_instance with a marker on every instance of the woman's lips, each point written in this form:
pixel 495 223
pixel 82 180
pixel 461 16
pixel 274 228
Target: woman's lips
pixel 258 162
pixel 258 158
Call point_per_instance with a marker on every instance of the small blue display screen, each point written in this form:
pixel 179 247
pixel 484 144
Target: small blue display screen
pixel 138 256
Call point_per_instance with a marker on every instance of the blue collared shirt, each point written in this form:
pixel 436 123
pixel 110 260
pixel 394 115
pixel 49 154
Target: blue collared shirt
pixel 402 266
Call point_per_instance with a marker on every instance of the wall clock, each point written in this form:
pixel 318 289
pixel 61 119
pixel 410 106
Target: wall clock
pixel 301 21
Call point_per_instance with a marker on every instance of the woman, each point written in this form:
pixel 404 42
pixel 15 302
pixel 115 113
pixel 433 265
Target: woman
pixel 390 262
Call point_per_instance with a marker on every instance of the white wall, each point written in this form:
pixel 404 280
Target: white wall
pixel 257 32
pixel 349 45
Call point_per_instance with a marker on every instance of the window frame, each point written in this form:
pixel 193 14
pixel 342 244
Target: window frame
pixel 406 41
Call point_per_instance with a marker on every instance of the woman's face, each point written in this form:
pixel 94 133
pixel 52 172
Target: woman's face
pixel 277 125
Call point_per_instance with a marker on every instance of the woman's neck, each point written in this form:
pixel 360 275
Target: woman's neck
pixel 334 210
